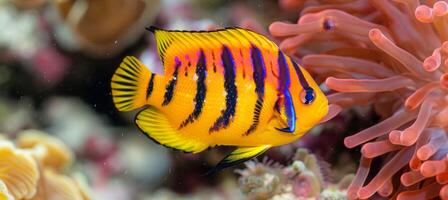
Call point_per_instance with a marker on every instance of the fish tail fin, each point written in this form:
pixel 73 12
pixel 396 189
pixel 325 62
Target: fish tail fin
pixel 152 29
pixel 238 156
pixel 130 84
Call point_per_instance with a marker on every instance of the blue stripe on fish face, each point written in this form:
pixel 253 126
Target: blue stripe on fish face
pixel 150 87
pixel 231 91
pixel 285 100
pixel 169 90
pixel 309 95
pixel 201 90
pixel 259 75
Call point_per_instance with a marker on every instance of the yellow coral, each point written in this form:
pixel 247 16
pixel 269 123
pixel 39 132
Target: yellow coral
pixel 58 155
pixel 4 193
pixel 59 186
pixel 18 171
pixel 53 156
pixel 82 185
pixel 32 173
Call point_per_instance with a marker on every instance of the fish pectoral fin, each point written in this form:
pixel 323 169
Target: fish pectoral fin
pixel 157 127
pixel 238 156
pixel 286 111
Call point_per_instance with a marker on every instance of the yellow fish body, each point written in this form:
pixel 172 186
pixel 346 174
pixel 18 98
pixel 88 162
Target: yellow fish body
pixel 226 87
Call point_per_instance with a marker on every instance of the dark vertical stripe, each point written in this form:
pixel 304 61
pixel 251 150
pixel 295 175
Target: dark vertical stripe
pixel 284 79
pixel 230 88
pixel 259 69
pixel 169 90
pixel 201 90
pixel 309 96
pixel 299 73
pixel 259 75
pixel 150 87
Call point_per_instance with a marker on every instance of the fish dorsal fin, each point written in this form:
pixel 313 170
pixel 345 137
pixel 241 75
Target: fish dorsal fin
pixel 157 127
pixel 175 43
pixel 239 155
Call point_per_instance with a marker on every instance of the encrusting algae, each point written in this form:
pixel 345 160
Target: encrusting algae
pixel 391 55
pixel 32 169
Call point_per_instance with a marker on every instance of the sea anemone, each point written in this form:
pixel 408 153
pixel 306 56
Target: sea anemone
pixel 391 55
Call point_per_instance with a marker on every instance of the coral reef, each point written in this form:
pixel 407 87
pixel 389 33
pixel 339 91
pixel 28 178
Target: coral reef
pixel 26 4
pixel 86 20
pixel 390 55
pixel 32 168
pixel 24 41
pixel 303 179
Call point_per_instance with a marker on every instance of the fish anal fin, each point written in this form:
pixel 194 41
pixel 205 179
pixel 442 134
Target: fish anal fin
pixel 157 127
pixel 238 156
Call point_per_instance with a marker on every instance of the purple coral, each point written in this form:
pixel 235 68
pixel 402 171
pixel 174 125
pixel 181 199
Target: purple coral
pixel 391 55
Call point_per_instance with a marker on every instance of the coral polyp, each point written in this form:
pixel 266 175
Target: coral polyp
pixel 301 179
pixel 32 169
pixel 391 55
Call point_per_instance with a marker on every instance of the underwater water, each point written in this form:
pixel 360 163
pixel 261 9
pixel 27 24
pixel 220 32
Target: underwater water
pixel 250 99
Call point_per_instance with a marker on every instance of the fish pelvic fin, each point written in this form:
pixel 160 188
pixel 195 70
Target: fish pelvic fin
pixel 238 156
pixel 156 126
pixel 130 84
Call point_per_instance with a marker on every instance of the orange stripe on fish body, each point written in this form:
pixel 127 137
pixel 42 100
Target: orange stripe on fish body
pixel 225 87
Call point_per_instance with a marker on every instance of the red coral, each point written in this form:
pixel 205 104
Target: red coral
pixel 392 55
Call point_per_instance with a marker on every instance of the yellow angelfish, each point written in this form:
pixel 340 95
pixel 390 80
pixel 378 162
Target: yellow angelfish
pixel 230 87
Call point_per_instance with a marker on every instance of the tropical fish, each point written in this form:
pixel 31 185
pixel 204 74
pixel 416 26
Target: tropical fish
pixel 230 87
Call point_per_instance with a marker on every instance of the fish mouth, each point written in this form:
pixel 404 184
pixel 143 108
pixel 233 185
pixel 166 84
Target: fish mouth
pixel 322 110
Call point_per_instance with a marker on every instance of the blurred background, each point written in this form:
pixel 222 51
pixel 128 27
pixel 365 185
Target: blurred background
pixel 56 61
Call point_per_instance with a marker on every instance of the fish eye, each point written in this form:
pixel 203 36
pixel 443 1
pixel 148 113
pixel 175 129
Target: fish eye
pixel 307 96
